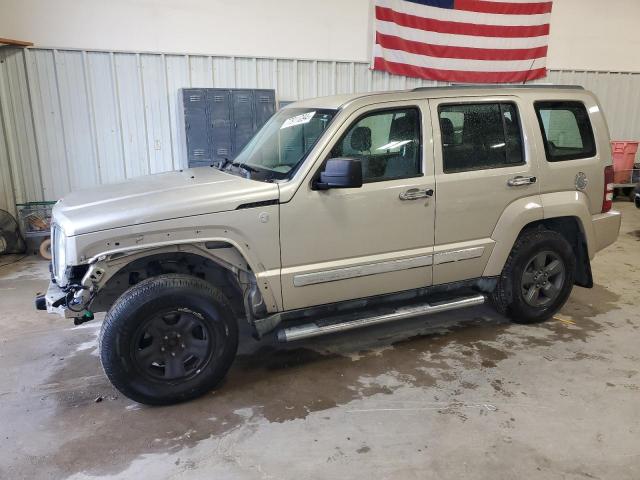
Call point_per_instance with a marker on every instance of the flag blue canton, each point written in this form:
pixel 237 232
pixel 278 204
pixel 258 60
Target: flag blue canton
pixel 435 3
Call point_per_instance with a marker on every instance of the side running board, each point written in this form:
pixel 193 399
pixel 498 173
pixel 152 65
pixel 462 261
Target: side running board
pixel 344 323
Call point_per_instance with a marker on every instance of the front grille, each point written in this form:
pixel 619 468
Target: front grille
pixel 53 251
pixel 55 238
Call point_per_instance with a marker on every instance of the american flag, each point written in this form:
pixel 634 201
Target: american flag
pixel 466 41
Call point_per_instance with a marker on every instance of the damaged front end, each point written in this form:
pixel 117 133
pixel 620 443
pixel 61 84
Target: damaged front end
pixel 73 299
pixel 79 291
pixel 72 287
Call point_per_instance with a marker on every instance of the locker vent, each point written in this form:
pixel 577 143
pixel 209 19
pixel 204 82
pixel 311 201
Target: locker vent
pixel 218 122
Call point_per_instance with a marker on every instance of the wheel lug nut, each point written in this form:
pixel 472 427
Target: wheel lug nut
pixel 166 338
pixel 182 345
pixel 177 335
pixel 173 354
pixel 162 349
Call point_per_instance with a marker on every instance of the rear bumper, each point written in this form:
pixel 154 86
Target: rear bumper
pixel 606 227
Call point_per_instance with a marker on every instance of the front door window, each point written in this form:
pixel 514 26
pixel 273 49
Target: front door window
pixel 386 142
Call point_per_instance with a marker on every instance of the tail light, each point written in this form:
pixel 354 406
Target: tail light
pixel 607 197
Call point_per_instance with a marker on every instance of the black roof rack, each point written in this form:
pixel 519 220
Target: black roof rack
pixel 505 86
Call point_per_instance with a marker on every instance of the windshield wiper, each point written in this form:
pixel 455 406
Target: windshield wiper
pixel 245 167
pixel 221 164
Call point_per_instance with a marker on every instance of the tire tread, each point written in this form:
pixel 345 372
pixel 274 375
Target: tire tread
pixel 503 296
pixel 115 320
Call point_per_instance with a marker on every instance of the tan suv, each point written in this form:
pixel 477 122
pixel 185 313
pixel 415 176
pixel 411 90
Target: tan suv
pixel 341 212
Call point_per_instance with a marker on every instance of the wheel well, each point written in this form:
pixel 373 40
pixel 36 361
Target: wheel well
pixel 571 229
pixel 169 262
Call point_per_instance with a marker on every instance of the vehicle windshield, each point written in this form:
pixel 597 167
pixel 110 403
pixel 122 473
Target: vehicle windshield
pixel 282 144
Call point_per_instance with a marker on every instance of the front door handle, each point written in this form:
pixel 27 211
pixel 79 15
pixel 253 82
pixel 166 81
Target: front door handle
pixel 416 193
pixel 521 181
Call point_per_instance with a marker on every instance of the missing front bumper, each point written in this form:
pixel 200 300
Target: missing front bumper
pixel 55 301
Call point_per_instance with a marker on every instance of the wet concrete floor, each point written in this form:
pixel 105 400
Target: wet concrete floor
pixel 464 394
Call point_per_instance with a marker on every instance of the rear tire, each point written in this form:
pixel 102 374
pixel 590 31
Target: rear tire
pixel 168 339
pixel 537 278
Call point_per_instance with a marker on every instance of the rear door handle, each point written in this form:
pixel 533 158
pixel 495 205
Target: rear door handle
pixel 416 193
pixel 520 181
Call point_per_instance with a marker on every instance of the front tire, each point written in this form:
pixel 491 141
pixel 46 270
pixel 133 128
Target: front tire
pixel 168 339
pixel 537 278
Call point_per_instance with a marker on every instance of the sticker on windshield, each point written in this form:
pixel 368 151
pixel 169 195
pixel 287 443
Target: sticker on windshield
pixel 298 120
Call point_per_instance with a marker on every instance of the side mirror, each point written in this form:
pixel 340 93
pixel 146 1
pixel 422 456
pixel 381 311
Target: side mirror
pixel 340 173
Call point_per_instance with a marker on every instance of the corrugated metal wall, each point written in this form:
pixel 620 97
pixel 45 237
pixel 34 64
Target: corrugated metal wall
pixel 73 119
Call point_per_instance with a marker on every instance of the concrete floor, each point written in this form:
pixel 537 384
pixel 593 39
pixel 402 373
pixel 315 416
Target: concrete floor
pixel 458 395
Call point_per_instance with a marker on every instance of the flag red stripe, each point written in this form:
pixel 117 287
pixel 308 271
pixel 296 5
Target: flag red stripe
pixel 459 28
pixel 457 75
pixel 504 8
pixel 446 51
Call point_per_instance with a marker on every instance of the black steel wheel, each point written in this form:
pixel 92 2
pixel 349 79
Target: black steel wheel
pixel 173 345
pixel 537 278
pixel 168 339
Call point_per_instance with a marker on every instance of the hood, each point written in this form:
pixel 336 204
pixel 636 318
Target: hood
pixel 157 197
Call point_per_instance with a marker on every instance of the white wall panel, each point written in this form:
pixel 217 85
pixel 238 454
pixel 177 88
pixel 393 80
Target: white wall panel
pixel 224 72
pixel 344 77
pixel 325 78
pixel 307 79
pixel 267 73
pixel 246 73
pixel 361 81
pixel 177 67
pixel 201 71
pixel 74 118
pixel 156 107
pixel 288 79
pixel 48 125
pixel 7 196
pixel 21 149
pixel 77 118
pixel 132 118
pixel 105 117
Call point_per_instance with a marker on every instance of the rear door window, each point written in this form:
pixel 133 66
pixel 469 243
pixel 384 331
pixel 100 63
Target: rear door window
pixel 478 136
pixel 566 130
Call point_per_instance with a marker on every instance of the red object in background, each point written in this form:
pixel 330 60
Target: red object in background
pixel 624 156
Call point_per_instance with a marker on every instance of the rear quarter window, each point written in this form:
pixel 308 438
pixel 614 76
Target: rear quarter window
pixel 566 130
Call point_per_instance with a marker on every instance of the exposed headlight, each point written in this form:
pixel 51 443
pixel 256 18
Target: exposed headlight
pixel 59 254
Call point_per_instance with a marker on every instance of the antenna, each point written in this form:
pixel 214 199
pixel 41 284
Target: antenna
pixel 526 77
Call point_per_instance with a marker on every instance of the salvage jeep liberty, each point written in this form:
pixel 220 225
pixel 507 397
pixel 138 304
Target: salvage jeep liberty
pixel 341 212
